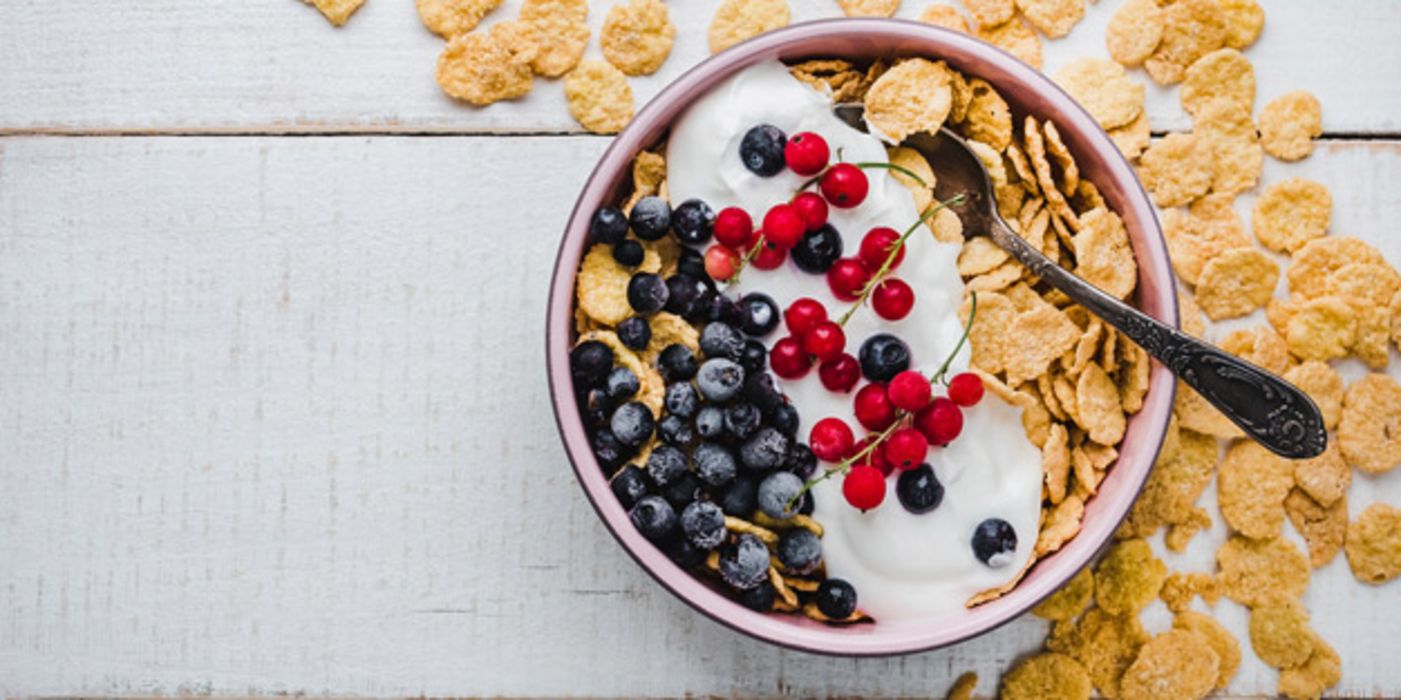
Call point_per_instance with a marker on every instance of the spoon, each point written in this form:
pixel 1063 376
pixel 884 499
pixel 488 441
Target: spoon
pixel 1271 411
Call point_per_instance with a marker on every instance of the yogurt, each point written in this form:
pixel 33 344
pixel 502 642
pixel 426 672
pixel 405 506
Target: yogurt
pixel 901 564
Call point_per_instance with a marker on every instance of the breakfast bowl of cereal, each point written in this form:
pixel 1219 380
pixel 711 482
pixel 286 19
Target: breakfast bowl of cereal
pixel 808 401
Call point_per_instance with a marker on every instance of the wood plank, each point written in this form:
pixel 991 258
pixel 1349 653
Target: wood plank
pixel 277 67
pixel 272 419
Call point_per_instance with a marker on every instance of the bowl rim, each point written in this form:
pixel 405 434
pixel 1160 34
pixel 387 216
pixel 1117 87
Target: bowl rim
pixel 559 325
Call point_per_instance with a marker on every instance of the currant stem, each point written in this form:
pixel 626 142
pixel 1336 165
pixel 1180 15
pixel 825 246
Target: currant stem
pixel 749 256
pixel 894 252
pixel 897 168
pixel 938 376
pixel 845 465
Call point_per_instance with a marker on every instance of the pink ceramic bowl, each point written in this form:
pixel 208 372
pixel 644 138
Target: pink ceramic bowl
pixel 1027 91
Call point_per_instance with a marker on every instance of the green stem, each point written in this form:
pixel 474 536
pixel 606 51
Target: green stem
pixel 749 256
pixel 845 465
pixel 893 253
pixel 897 168
pixel 938 376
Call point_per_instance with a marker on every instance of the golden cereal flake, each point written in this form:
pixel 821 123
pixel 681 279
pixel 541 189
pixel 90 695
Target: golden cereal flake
pixel 1324 385
pixel 1128 578
pixel 962 689
pixel 1180 588
pixel 1176 169
pixel 1134 376
pixel 1323 528
pixel 869 8
pixel 1324 478
pixel 989 119
pixel 1068 602
pixel 1369 432
pixel 599 97
pixel 1373 331
pixel 1236 282
pixel 1280 634
pixel 1321 671
pixel 1016 38
pixel 336 11
pixel 1217 637
pixel 1290 213
pixel 910 159
pixel 1321 329
pixel 1312 265
pixel 1100 411
pixel 1256 573
pixel 1035 141
pixel 1373 544
pixel 1192 322
pixel 1132 138
pixel 1228 132
pixel 563 34
pixel 946 16
pixel 637 36
pixel 1196 413
pixel 1244 20
pixel 1104 89
pixel 1191 29
pixel 1394 308
pixel 1366 284
pixel 1037 338
pixel 1175 664
pixel 947 227
pixel 737 20
pixel 1065 161
pixel 912 97
pixel 1134 31
pixel 990 13
pixel 1198 235
pixel 980 255
pixel 1104 644
pixel 1289 124
pixel 448 18
pixel 994 323
pixel 1047 676
pixel 603 286
pixel 1055 18
pixel 1259 345
pixel 1251 485
pixel 669 329
pixel 1055 462
pixel 478 67
pixel 1063 523
pixel 1224 75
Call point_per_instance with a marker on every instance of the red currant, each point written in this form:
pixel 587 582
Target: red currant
pixel 803 314
pixel 813 208
pixel 966 389
pixel 847 277
pixel 877 245
pixel 875 457
pixel 874 411
pixel 783 226
pixel 892 299
pixel 825 340
pixel 733 227
pixel 769 256
pixel 941 421
pixel 906 448
pixel 910 390
pixel 844 185
pixel 806 153
pixel 864 487
pixel 840 373
pixel 788 359
pixel 721 262
pixel 831 439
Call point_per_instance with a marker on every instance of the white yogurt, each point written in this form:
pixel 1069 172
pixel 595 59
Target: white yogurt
pixel 902 564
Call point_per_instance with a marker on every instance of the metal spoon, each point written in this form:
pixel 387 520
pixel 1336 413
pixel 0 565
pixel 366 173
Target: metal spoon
pixel 1270 410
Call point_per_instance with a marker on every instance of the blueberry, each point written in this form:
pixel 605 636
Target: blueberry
pixel 608 450
pixel 704 524
pixel 801 461
pixel 836 599
pixel 759 598
pixel 744 564
pixel 755 356
pixel 818 250
pixel 720 380
pixel 761 149
pixel 692 221
pixel 692 264
pixel 596 406
pixel 775 491
pixel 994 542
pixel 676 363
pixel 590 362
pixel 685 554
pixel 799 551
pixel 720 339
pixel 725 310
pixel 685 489
pixel 760 314
pixel 632 423
pixel 681 400
pixel 628 253
pixel 784 417
pixel 805 504
pixel 742 419
pixel 710 422
pixel 653 517
pixel 741 499
pixel 919 489
pixel 635 332
pixel 651 218
pixel 647 293
pixel 761 390
pixel 683 293
pixel 666 464
pixel 675 431
pixel 622 384
pixel 883 356
pixel 629 485
pixel 766 450
pixel 608 225
pixel 700 311
pixel 715 464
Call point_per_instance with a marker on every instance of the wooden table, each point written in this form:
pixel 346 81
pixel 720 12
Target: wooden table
pixel 273 413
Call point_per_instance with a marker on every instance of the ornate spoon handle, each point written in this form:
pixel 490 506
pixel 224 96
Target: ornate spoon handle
pixel 1270 410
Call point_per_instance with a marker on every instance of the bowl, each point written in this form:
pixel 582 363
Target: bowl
pixel 1027 91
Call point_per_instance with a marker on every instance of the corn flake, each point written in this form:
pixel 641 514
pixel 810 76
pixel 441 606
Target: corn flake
pixel 1321 671
pixel 1099 407
pixel 1016 38
pixel 1104 89
pixel 1312 265
pixel 962 688
pixel 481 68
pixel 1373 544
pixel 1290 213
pixel 869 8
pixel 1252 483
pixel 1177 480
pixel 448 18
pixel 599 97
pixel 1174 664
pixel 1224 75
pixel 1180 588
pixel 1321 329
pixel 563 33
pixel 1046 677
pixel 1200 234
pixel 1369 431
pixel 337 12
pixel 1257 573
pixel 989 119
pixel 912 97
pixel 946 16
pixel 1055 18
pixel 1217 637
pixel 737 20
pixel 1134 31
pixel 637 36
pixel 603 286
pixel 990 12
pixel 980 255
pixel 1323 527
pixel 1070 600
pixel 1134 137
pixel 1280 634
pixel 1176 169
pixel 1324 478
pixel 1236 282
pixel 1244 20
pixel 1104 644
pixel 1128 578
pixel 1037 338
pixel 1228 132
pixel 1191 29
pixel 1289 124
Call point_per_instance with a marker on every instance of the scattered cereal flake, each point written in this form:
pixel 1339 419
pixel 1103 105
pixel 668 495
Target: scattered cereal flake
pixel 480 68
pixel 1070 600
pixel 1255 573
pixel 1323 527
pixel 448 18
pixel 1055 18
pixel 1290 213
pixel 1175 664
pixel 1369 432
pixel 991 12
pixel 1374 544
pixel 1134 31
pixel 1321 671
pixel 1223 75
pixel 1132 138
pixel 1016 38
pixel 1104 89
pixel 1324 478
pixel 946 16
pixel 336 11
pixel 1097 401
pixel 1289 124
pixel 1259 345
pixel 637 36
pixel 1190 314
pixel 1324 385
pixel 1179 477
pixel 1176 169
pixel 563 34
pixel 1321 329
pixel 603 286
pixel 1180 535
pixel 1047 676
pixel 962 689
pixel 1244 20
pixel 1196 413
pixel 1203 232
pixel 989 119
pixel 1373 331
pixel 912 97
pixel 1280 634
pixel 1367 284
pixel 1105 644
pixel 1055 462
pixel 1180 588
pixel 1128 578
pixel 1395 309
pixel 1217 637
pixel 1228 131
pixel 1312 265
pixel 869 8
pixel 1191 29
pixel 599 97
pixel 737 20
pixel 1037 338
pixel 1062 524
pixel 1236 282
pixel 1251 485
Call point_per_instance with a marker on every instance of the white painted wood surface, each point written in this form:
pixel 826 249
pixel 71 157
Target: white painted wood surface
pixel 272 410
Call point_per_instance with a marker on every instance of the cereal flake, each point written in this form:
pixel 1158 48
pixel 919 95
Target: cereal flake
pixel 1174 664
pixel 637 36
pixel 1224 75
pixel 1236 282
pixel 1134 31
pixel 448 18
pixel 1256 573
pixel 1289 124
pixel 1047 676
pixel 912 97
pixel 1290 213
pixel 481 68
pixel 1280 634
pixel 737 20
pixel 1104 89
pixel 599 97
pixel 1374 544
pixel 1128 578
pixel 1176 169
